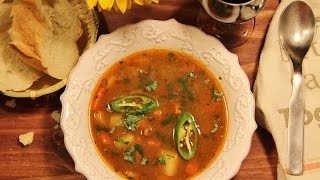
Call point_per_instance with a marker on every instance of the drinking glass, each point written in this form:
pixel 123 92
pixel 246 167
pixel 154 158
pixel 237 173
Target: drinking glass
pixel 231 21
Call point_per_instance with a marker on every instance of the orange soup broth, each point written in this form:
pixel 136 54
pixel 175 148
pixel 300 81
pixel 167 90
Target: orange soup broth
pixel 130 76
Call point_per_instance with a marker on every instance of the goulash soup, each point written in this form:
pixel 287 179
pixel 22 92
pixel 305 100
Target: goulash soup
pixel 158 114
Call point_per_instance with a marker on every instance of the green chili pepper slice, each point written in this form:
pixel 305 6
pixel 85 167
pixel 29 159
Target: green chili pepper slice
pixel 186 136
pixel 134 104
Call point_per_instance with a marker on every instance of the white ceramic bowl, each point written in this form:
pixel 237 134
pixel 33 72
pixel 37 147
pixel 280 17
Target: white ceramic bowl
pixel 157 34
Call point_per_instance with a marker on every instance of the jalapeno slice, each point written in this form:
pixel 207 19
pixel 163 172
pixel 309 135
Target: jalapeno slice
pixel 186 136
pixel 134 104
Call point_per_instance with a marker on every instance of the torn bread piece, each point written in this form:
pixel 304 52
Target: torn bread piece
pixel 47 33
pixel 55 115
pixel 26 139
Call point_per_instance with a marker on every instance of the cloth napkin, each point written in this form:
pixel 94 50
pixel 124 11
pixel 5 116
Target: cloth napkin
pixel 273 90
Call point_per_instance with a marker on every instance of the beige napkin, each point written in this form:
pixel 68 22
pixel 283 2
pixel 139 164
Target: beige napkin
pixel 273 89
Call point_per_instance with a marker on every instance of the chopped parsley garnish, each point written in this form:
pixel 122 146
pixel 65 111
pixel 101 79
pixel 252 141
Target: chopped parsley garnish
pixel 202 73
pixel 152 87
pixel 170 88
pixel 162 161
pixel 125 80
pixel 138 148
pixel 113 153
pixel 170 156
pixel 216 116
pixel 130 158
pixel 101 128
pixel 205 135
pixel 160 136
pixel 144 161
pixel 131 121
pixel 168 120
pixel 170 54
pixel 185 86
pixel 121 141
pixel 129 155
pixel 215 128
pixel 144 79
pixel 147 83
pixel 216 96
pixel 114 127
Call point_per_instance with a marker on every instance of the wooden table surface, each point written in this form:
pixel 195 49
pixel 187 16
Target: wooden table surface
pixel 47 157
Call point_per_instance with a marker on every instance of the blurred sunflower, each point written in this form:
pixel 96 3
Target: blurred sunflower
pixel 121 5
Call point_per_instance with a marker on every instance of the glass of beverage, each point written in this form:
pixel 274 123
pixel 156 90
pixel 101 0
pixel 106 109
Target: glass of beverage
pixel 231 21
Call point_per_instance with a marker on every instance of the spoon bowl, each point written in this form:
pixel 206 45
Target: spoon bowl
pixel 296 31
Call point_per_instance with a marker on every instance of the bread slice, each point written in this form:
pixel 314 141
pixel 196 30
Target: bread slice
pixel 27 32
pixel 15 75
pixel 46 31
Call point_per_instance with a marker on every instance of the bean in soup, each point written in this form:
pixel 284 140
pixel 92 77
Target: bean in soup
pixel 158 113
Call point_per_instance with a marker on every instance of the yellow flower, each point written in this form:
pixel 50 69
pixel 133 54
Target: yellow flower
pixel 121 5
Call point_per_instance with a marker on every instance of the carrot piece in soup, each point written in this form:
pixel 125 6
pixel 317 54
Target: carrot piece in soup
pixel 158 114
pixel 99 100
pixel 143 124
pixel 147 131
pixel 177 109
pixel 153 144
pixel 191 168
pixel 105 139
pixel 130 174
pixel 111 80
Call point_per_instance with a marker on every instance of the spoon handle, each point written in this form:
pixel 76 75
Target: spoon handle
pixel 296 127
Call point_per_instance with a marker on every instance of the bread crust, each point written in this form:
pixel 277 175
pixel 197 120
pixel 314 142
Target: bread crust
pixel 46 32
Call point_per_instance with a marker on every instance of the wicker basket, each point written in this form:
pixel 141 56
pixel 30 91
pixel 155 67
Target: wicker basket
pixel 47 84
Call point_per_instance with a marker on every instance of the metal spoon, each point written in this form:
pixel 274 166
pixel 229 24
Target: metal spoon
pixel 296 30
